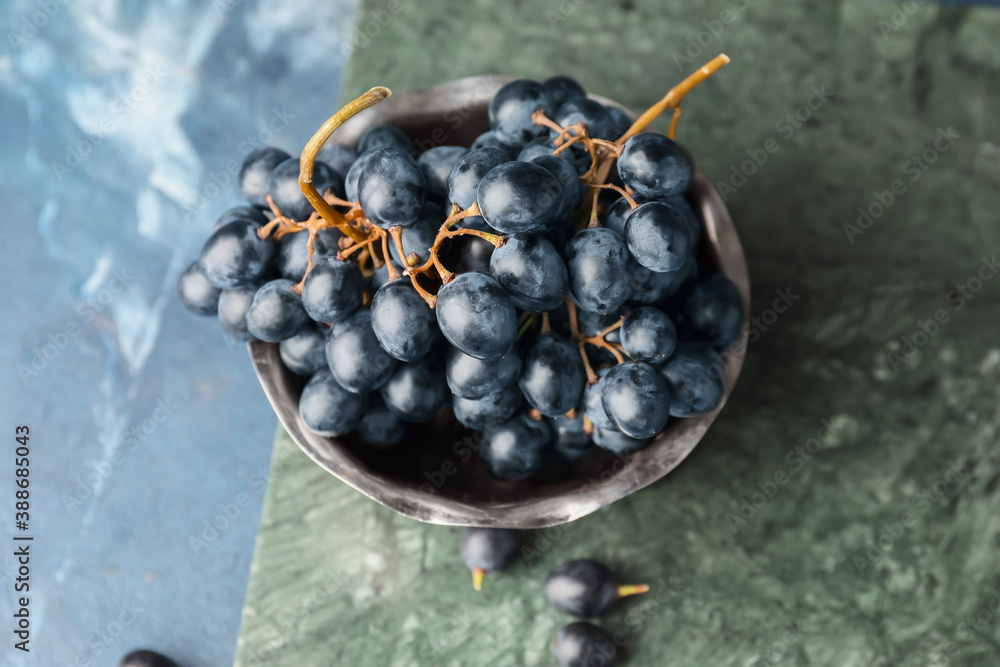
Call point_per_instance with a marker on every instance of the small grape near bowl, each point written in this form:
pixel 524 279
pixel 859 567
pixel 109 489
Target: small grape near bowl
pixel 601 363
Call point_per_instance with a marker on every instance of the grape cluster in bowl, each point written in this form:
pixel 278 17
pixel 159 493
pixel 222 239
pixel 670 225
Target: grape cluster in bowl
pixel 547 284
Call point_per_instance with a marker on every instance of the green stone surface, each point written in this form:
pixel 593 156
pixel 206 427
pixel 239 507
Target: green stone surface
pixel 800 579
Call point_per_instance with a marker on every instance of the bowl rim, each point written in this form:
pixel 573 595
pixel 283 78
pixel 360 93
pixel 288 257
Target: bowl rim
pixel 639 469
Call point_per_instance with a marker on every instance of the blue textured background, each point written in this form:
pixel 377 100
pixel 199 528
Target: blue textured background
pixel 142 105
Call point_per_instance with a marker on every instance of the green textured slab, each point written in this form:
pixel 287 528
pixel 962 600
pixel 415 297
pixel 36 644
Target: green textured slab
pixel 800 579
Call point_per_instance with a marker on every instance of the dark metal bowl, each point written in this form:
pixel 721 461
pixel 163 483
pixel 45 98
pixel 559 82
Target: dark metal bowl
pixel 435 476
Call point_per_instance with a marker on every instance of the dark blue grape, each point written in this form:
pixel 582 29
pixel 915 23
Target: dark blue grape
pixel 477 316
pixel 354 175
pixel 518 197
pixel 467 253
pixel 597 261
pixel 572 194
pixel 276 312
pixel 255 173
pixel 329 409
pixel 305 352
pixel 592 114
pixel 233 306
pixel 531 271
pixel 488 549
pixel 234 255
pixel 694 378
pixel 618 442
pixel 355 356
pixel 403 322
pixel 618 212
pixel 687 215
pixel 655 166
pixel 333 290
pixel 436 164
pixel 651 287
pixel 563 89
pixel 473 378
pixel 584 645
pixel 391 189
pixel 511 109
pixel 569 437
pixel 241 213
pixel 714 310
pixel 649 335
pixel 417 240
pixel 415 392
pixel 593 406
pixel 293 251
pixel 492 140
pixel 583 588
pixel 620 122
pixel 381 428
pixel 657 237
pixel 487 412
pixel 197 294
pixel 286 193
pixel 540 147
pixel 553 377
pixel 339 157
pixel 144 658
pixel 463 181
pixel 384 136
pixel 636 398
pixel 381 276
pixel 516 449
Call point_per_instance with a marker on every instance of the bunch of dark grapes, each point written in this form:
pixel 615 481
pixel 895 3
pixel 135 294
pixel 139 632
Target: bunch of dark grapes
pixel 546 284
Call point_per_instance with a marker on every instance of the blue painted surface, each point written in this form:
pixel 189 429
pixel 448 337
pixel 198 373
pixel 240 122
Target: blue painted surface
pixel 116 122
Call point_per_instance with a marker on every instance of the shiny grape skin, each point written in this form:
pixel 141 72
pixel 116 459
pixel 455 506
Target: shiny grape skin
pixel 593 407
pixel 380 428
pixel 714 310
pixel 511 109
pixel 687 215
pixel 197 294
pixel 355 357
pixel 293 251
pixel 539 147
pixel 436 165
pixel 658 237
pixel 597 261
pixel 517 449
pixel 694 378
pixel 403 322
pixel 286 193
pixel 487 412
pixel 583 645
pixel 618 212
pixel 491 139
pixel 477 316
pixel 234 255
pixel 569 438
pixel 354 175
pixel 240 213
pixel 636 398
pixel 655 166
pixel 417 240
pixel 276 312
pixel 583 588
pixel 473 378
pixel 333 290
pixel 531 271
pixel 651 287
pixel 620 122
pixel 305 352
pixel 592 114
pixel 619 443
pixel 339 157
pixel 327 408
pixel 572 193
pixel 415 392
pixel 392 188
pixel 552 379
pixel 489 549
pixel 464 179
pixel 648 334
pixel 381 276
pixel 563 89
pixel 233 306
pixel 255 173
pixel 517 197
pixel 383 136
